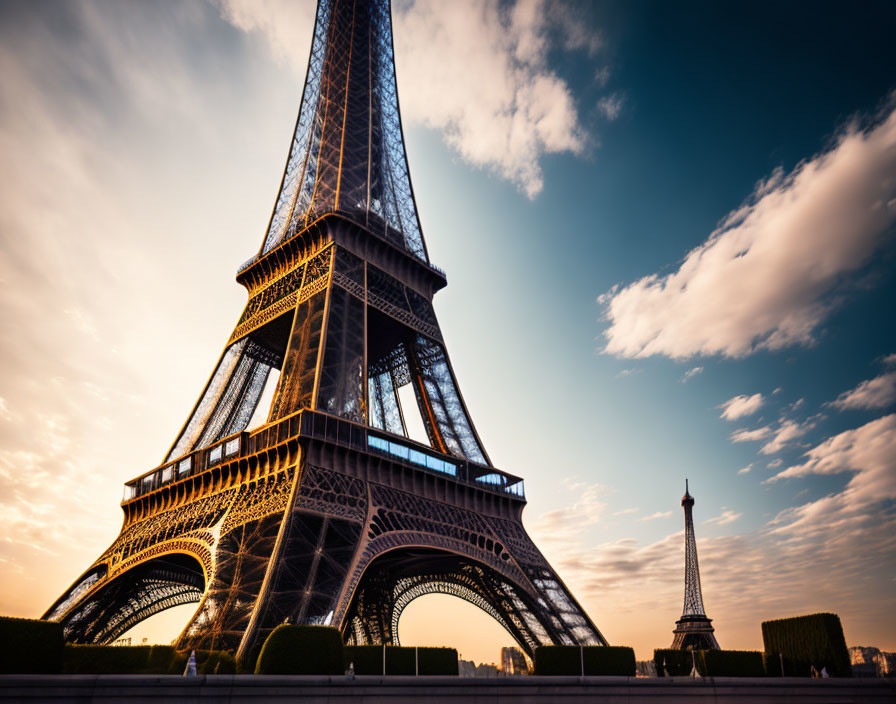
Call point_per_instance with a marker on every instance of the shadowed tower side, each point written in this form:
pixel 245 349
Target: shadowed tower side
pixel 693 631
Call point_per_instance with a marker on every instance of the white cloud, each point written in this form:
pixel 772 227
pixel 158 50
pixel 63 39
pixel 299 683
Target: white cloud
pixel 658 514
pixel 746 469
pixel 867 452
pixel 780 437
pixel 878 392
pixel 690 374
pixel 741 406
pixel 565 523
pixel 727 516
pixel 765 278
pixel 477 71
pixel 285 24
pixel 611 106
pixel 775 463
pixel 572 26
pixel 889 360
pixel 751 435
pixel 787 432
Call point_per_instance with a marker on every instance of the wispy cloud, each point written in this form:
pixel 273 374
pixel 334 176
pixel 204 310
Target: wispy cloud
pixel 746 469
pixel 741 406
pixel 727 516
pixel 566 523
pixel 783 435
pixel 751 435
pixel 878 392
pixel 611 106
pixel 765 278
pixel 657 515
pixel 690 374
pixel 747 578
pixel 868 453
pixel 786 434
pixel 284 24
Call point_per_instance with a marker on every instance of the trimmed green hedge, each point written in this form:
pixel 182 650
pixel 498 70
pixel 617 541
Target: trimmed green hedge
pixel 673 662
pixel 30 646
pixel 117 660
pixel 368 660
pixel 437 661
pixel 730 663
pixel 601 660
pixel 301 650
pixel 710 663
pixel 142 660
pixel 208 662
pixel 806 641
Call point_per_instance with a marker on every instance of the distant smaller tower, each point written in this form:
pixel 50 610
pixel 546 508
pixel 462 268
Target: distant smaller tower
pixel 693 631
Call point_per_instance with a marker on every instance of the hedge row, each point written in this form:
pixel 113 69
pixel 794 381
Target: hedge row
pixel 368 660
pixel 318 650
pixel 142 660
pixel 594 659
pixel 730 663
pixel 117 660
pixel 301 650
pixel 674 663
pixel 805 642
pixel 710 663
pixel 30 647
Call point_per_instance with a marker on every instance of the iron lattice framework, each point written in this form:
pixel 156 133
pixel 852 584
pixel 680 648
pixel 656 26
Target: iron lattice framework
pixel 328 513
pixel 693 631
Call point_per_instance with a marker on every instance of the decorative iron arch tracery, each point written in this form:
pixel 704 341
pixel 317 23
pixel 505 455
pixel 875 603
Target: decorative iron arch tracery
pixel 133 595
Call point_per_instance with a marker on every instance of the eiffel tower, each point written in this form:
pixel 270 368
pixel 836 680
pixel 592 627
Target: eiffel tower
pixel 328 513
pixel 693 631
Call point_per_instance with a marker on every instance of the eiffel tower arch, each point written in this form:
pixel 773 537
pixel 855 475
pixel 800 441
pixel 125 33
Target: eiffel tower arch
pixel 328 513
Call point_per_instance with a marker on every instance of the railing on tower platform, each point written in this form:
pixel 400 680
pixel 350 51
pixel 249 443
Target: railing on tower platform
pixel 331 429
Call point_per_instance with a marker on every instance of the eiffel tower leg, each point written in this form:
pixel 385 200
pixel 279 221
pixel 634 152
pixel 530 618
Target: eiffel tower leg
pixel 353 554
pixel 101 606
pixel 415 546
pixel 210 541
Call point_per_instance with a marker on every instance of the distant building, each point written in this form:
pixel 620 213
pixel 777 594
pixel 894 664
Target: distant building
pixel 645 668
pixel 886 664
pixel 859 655
pixel 468 668
pixel 513 662
pixel 872 662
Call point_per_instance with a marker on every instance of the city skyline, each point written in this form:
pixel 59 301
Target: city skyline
pixel 683 232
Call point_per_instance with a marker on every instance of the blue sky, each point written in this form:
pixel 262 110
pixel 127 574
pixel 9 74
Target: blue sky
pixel 743 156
